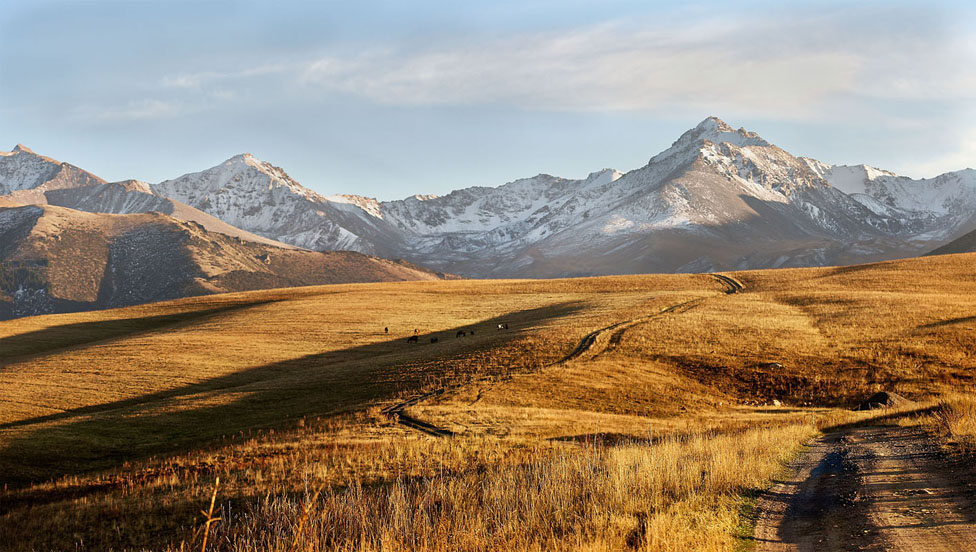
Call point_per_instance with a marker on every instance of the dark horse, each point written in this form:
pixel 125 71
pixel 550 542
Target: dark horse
pixel 412 339
pixel 460 334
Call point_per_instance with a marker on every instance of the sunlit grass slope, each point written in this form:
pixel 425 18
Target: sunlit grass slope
pixel 124 418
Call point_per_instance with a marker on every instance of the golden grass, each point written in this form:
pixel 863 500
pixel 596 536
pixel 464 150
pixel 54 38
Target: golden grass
pixel 279 392
pixel 955 419
pixel 677 494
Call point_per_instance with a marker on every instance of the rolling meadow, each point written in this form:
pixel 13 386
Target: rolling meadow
pixel 621 412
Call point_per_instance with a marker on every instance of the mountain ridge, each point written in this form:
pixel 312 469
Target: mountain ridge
pixel 718 198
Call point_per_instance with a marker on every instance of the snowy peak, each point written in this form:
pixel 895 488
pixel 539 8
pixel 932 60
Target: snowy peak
pixel 602 177
pixel 951 195
pixel 241 174
pixel 713 130
pixel 251 194
pixel 713 124
pixel 22 170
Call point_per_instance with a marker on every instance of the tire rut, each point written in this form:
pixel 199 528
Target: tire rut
pixel 585 346
pixel 396 414
pixel 733 285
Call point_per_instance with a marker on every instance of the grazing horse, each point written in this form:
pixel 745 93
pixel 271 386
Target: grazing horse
pixel 433 340
pixel 386 330
pixel 503 326
pixel 460 334
pixel 412 339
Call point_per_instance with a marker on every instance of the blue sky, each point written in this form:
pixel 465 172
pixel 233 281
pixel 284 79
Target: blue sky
pixel 389 99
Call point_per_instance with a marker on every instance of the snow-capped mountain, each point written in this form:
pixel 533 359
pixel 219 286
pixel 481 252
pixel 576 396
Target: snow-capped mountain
pixel 26 175
pixel 27 178
pixel 251 194
pixel 947 199
pixel 70 241
pixel 718 198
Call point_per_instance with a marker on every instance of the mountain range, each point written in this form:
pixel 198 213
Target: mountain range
pixel 70 241
pixel 717 199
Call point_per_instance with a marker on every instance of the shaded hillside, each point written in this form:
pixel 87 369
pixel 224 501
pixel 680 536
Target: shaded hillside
pixel 54 259
pixel 963 244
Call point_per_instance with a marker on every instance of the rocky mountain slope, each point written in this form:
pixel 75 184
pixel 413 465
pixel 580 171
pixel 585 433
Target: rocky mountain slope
pixel 261 198
pixel 54 259
pixel 717 199
pixel 25 175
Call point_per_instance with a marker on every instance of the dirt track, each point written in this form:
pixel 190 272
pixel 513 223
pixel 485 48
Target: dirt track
pixel 587 346
pixel 870 488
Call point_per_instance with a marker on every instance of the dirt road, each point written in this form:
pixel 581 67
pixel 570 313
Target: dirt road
pixel 870 488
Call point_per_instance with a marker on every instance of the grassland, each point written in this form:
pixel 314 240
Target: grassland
pixel 114 425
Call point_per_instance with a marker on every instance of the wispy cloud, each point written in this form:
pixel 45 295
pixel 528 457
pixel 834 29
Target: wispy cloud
pixel 832 67
pixel 774 68
pixel 136 110
pixel 204 78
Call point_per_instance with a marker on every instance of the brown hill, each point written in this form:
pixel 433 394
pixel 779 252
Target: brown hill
pixel 963 244
pixel 54 259
pixel 133 196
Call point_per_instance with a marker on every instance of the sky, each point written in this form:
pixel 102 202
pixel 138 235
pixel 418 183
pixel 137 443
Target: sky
pixel 390 99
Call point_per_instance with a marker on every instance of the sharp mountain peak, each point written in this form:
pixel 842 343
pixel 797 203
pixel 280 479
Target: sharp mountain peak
pixel 711 129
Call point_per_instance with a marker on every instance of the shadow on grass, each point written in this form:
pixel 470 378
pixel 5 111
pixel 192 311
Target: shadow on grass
pixel 882 417
pixel 948 322
pixel 57 338
pixel 172 421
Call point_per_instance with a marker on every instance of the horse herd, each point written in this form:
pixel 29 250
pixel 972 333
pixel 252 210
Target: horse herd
pixel 415 338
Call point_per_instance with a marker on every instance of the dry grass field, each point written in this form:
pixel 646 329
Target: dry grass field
pixel 616 412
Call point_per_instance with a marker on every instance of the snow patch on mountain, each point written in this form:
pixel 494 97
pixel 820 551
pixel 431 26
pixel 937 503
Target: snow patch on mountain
pixel 368 205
